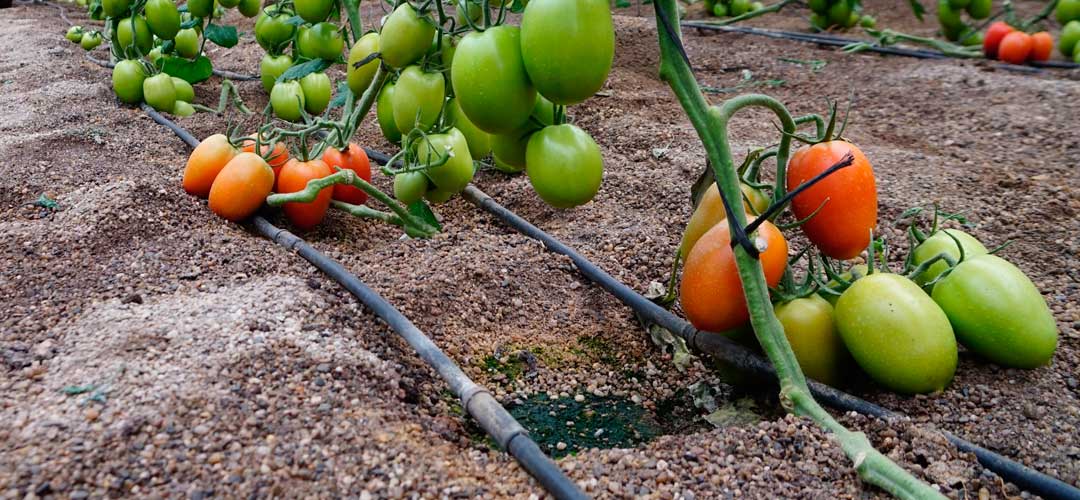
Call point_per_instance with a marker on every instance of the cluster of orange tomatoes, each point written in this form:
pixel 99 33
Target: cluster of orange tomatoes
pixel 1005 43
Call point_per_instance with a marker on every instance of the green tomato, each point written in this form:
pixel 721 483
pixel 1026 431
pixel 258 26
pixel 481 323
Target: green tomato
pixel 709 5
pixel 249 8
pixel 568 47
pixel 998 312
pixel 228 4
pixel 360 79
pixel 504 167
pixel 159 92
pixel 184 91
pixel 840 13
pixel 756 6
pixel 271 67
pixel 74 34
pixel 867 21
pixel 314 11
pixel 127 77
pixel 720 10
pixel 853 19
pixel 949 17
pixel 200 8
pixel 1067 10
pixel 154 55
pixel 819 22
pixel 857 271
pixel 511 147
pixel 1070 35
pixel 897 334
pixel 384 113
pixel 418 99
pixel 959 5
pixel 739 7
pixel 405 36
pixel 273 32
pixel 478 140
pixel 819 7
pixel 409 187
pixel 444 50
pixel 809 328
pixel 941 243
pixel 489 77
pixel 980 9
pixel 437 196
pixel 321 41
pixel 1076 56
pixel 452 176
pixel 183 109
pixel 971 38
pixel 470 9
pixel 564 165
pixel 187 43
pixel 287 100
pixel 317 91
pixel 134 36
pixel 90 40
pixel 163 18
pixel 115 8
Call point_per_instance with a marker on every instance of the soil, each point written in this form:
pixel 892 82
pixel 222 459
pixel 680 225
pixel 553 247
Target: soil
pixel 149 348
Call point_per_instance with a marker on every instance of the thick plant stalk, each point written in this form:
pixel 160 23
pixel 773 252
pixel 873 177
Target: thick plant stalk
pixel 711 125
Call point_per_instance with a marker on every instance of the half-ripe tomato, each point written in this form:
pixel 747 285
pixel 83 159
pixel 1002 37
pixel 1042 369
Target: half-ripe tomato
pixel 418 99
pixel 184 91
pixel 187 43
pixel 994 34
pixel 159 92
pixel 273 31
pixel 409 187
pixel 287 100
pixel 489 77
pixel 353 158
pixel 317 92
pixel 314 11
pixel 322 41
pixel 163 18
pixel 847 198
pixel 1042 45
pixel 809 328
pixel 998 312
pixel 205 162
pixel 710 212
pixel 568 47
pixel 452 176
pixel 360 78
pixel 241 187
pixel 271 67
pixel 294 177
pixel 1015 48
pixel 405 36
pixel 564 165
pixel 897 334
pixel 276 157
pixel 479 141
pixel 183 109
pixel 942 242
pixel 384 113
pixel 134 36
pixel 711 291
pixel 127 77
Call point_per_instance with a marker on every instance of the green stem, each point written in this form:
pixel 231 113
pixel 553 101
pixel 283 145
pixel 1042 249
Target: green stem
pixel 356 24
pixel 711 125
pixel 1043 14
pixel 367 212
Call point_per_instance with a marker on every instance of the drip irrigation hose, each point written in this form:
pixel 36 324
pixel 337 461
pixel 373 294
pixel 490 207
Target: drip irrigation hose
pixel 475 399
pixel 837 41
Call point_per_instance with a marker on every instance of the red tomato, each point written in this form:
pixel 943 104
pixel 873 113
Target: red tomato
pixel 1015 47
pixel 1042 44
pixel 711 292
pixel 993 37
pixel 294 177
pixel 353 158
pixel 841 229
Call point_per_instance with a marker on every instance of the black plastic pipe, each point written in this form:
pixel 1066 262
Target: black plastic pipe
pixel 475 399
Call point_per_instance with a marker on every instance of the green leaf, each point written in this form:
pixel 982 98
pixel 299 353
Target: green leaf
pixel 303 69
pixel 421 210
pixel 191 71
pixel 295 21
pixel 223 36
pixel 190 23
pixel 917 8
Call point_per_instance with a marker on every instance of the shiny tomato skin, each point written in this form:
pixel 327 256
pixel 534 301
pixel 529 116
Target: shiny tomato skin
pixel 360 79
pixel 275 157
pixel 1015 48
pixel 384 113
pixel 418 99
pixel 287 100
pixel 711 291
pixel 489 77
pixel 271 67
pixel 841 229
pixel 564 165
pixel 128 77
pixel 452 176
pixel 241 187
pixel 205 162
pixel 994 34
pixel 294 177
pixel 568 47
pixel 353 158
pixel 942 242
pixel 710 212
pixel 405 37
pixel 410 187
pixel 811 332
pixel 1042 45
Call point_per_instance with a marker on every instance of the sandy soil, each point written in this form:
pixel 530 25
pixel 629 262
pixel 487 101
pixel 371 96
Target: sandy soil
pixel 149 348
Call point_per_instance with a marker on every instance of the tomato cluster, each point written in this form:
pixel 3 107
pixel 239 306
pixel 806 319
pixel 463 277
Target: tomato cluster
pixel 954 27
pixel 831 14
pixel 301 26
pixel 733 8
pixel 1013 46
pixel 900 330
pixel 88 40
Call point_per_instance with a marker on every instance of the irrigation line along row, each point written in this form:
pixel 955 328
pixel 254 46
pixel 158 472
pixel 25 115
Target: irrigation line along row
pixel 475 399
pixel 836 41
pixel 739 357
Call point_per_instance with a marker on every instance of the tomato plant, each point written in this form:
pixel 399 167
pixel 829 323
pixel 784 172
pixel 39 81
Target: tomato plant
pixel 317 90
pixel 128 77
pixel 294 177
pixel 205 162
pixel 568 47
pixel 489 77
pixel 359 79
pixel 942 242
pixel 159 92
pixel 321 41
pixel 163 18
pixel 287 100
pixel 352 158
pixel 241 187
pixel 417 99
pixel 405 36
pixel 845 202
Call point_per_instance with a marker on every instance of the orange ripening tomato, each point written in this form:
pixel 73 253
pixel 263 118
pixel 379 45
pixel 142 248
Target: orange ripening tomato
pixel 993 37
pixel 1042 45
pixel 294 177
pixel 241 187
pixel 276 157
pixel 711 292
pixel 353 158
pixel 847 198
pixel 209 157
pixel 1015 47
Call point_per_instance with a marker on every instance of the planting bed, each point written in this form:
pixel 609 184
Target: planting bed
pixel 149 348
